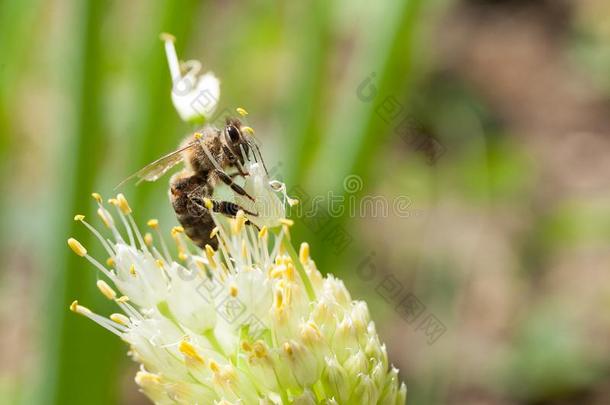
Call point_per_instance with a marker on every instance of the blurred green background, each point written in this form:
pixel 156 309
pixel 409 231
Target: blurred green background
pixel 491 119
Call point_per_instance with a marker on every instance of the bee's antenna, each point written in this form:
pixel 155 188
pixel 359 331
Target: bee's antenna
pixel 254 145
pixel 262 160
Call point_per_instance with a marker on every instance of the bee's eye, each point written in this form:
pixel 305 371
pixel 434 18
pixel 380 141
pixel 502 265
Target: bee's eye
pixel 233 133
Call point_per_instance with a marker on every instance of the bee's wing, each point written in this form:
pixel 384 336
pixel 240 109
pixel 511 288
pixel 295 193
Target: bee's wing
pixel 159 167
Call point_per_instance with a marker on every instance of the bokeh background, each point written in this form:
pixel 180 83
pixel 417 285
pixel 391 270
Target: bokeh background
pixel 492 118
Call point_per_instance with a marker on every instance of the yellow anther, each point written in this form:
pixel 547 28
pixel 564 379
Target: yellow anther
pixel 176 230
pixel 197 135
pixel 122 299
pixel 214 366
pixel 239 222
pixel 123 204
pixel 189 351
pixel 277 271
pixel 260 350
pixel 233 290
pixel 241 111
pixel 304 253
pixel 209 252
pixel 113 201
pixel 103 217
pixel 287 348
pixel 245 346
pixel 292 201
pixel 97 197
pixel 214 232
pixel 208 203
pixel 145 379
pixel 244 249
pixel 289 272
pixel 77 247
pixel 110 262
pixel 79 217
pixel 153 223
pixel 248 130
pixel 79 309
pixel 106 289
pixel 263 232
pixel 165 37
pixel 132 270
pixel 182 256
pixel 120 319
pixel 278 299
pixel 148 239
pixel 159 263
pixel 287 222
pixel 310 333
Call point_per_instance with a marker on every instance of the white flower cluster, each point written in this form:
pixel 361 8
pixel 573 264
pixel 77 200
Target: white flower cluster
pixel 251 323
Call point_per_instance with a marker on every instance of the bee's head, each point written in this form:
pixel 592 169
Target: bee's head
pixel 235 140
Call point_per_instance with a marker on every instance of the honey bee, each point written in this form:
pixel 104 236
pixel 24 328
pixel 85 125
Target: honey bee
pixel 206 155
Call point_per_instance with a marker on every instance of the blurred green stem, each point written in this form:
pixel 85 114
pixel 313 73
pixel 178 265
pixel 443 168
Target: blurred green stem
pixel 81 366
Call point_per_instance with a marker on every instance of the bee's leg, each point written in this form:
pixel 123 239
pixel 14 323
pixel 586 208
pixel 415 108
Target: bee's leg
pixel 229 182
pixel 241 170
pixel 229 208
pixel 235 161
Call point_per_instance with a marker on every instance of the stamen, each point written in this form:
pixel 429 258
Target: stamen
pixel 77 247
pixel 115 202
pixel 123 204
pixel 148 239
pixel 238 222
pixel 214 366
pixel 189 351
pixel 304 253
pixel 97 197
pixel 120 319
pixel 248 130
pixel 105 323
pixel 209 252
pixel 260 349
pixel 154 224
pixel 137 232
pixel 172 57
pixel 95 232
pixel 244 251
pixel 287 222
pixel 241 111
pixel 74 307
pixel 287 349
pixel 106 289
